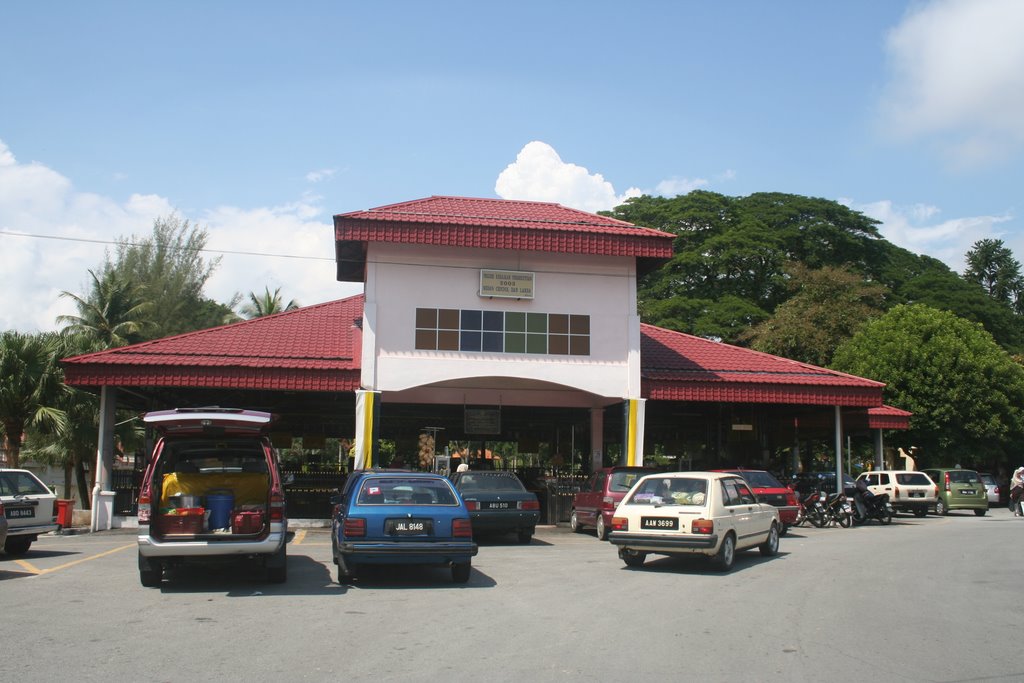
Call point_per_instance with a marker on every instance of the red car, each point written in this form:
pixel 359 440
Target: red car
pixel 770 490
pixel 595 504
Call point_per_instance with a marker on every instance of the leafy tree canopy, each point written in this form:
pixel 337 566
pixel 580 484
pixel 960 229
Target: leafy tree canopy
pixel 965 391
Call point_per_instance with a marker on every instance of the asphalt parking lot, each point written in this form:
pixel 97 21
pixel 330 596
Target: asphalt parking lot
pixel 920 600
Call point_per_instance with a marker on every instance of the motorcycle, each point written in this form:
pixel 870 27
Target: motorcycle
pixel 813 509
pixel 868 506
pixel 840 510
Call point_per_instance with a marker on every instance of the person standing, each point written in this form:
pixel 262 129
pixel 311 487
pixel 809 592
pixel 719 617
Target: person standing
pixel 1016 488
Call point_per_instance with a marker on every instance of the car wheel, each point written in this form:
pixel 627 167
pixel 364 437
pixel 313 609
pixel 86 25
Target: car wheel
pixel 726 554
pixel 632 558
pixel 151 572
pixel 981 513
pixel 17 545
pixel 346 575
pixel 574 523
pixel 460 572
pixel 277 566
pixel 771 544
pixel 785 530
pixel 602 530
pixel 886 517
pixel 940 508
pixel 525 536
pixel 920 512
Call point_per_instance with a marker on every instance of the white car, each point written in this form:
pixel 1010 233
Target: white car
pixel 29 508
pixel 908 491
pixel 693 513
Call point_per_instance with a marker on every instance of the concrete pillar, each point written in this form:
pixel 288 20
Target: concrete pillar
pixel 839 449
pixel 879 450
pixel 102 492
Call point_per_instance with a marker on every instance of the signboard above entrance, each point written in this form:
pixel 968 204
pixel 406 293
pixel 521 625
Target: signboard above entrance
pixel 510 284
pixel 482 420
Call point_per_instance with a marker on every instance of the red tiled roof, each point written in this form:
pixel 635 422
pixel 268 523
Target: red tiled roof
pixel 493 224
pixel 309 349
pixel 682 367
pixel 888 417
pixel 316 348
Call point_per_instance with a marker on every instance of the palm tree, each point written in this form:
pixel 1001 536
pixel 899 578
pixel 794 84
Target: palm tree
pixel 266 304
pixel 30 388
pixel 115 313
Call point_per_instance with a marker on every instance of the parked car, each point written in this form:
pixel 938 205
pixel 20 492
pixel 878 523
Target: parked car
pixel 596 503
pixel 959 489
pixel 992 491
pixel 395 517
pixel 212 489
pixel 770 490
pixel 908 491
pixel 3 526
pixel 498 503
pixel 29 509
pixel 685 513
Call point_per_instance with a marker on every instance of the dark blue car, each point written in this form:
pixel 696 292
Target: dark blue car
pixel 390 517
pixel 498 503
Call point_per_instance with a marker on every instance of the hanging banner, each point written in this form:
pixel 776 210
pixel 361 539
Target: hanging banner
pixel 633 432
pixel 367 419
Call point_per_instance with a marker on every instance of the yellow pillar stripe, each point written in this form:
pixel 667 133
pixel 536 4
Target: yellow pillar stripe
pixel 631 446
pixel 368 399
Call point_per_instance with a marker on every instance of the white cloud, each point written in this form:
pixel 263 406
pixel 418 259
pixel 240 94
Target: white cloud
pixel 539 174
pixel 957 73
pixel 920 229
pixel 321 175
pixel 677 186
pixel 37 201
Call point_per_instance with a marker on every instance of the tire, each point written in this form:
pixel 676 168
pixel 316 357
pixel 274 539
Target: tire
pixel 151 573
pixel 726 555
pixel 461 572
pixel 602 530
pixel 981 513
pixel 17 545
pixel 525 536
pixel 940 508
pixel 885 517
pixel 770 546
pixel 920 512
pixel 346 576
pixel 816 518
pixel 785 530
pixel 632 558
pixel 574 523
pixel 845 520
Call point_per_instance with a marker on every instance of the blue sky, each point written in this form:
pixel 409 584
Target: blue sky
pixel 259 120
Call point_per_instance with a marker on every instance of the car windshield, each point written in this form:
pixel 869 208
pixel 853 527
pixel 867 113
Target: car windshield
pixel 988 479
pixel 623 480
pixel 476 483
pixel 913 479
pixel 405 491
pixel 963 477
pixel 20 484
pixel 760 479
pixel 670 491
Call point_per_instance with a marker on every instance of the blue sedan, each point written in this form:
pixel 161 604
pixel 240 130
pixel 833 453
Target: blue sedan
pixel 401 518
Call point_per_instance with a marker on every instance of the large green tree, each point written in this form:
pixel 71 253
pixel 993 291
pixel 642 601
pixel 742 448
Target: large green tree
pixel 115 312
pixel 965 392
pixel 992 265
pixel 30 388
pixel 828 306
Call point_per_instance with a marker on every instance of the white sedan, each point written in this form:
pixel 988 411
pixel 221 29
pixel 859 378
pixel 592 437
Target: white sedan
pixel 28 506
pixel 693 513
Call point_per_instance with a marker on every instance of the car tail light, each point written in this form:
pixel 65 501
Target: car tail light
pixel 936 490
pixel 608 503
pixel 353 527
pixel 896 492
pixel 946 478
pixel 529 505
pixel 276 506
pixel 620 524
pixel 791 497
pixel 472 504
pixel 702 526
pixel 462 528
pixel 145 510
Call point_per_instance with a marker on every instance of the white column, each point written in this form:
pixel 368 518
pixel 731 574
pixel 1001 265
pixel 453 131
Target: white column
pixel 102 493
pixel 596 438
pixel 367 412
pixel 879 450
